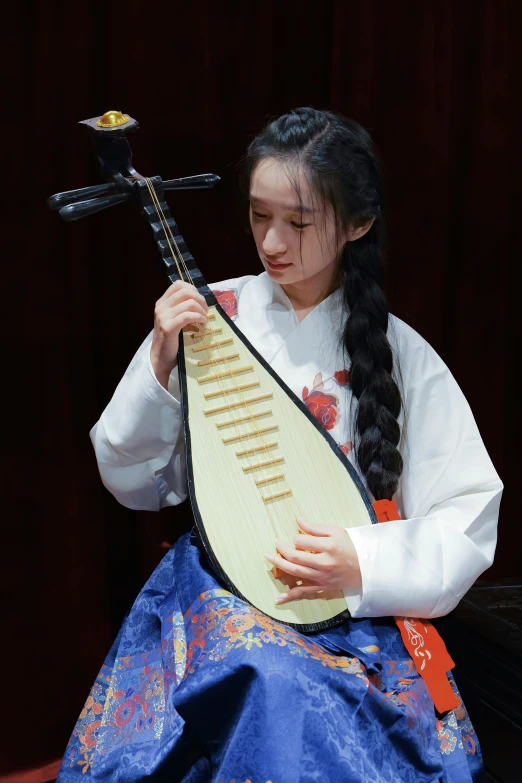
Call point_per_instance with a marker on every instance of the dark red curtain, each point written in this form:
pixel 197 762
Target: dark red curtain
pixel 434 83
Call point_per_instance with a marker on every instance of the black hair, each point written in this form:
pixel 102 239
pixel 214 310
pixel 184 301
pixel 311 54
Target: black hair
pixel 344 169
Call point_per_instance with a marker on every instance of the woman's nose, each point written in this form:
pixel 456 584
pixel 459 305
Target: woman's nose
pixel 273 243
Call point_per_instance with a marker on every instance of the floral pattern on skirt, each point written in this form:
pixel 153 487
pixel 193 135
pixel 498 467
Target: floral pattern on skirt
pixel 199 686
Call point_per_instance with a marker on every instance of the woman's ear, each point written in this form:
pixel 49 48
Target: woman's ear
pixel 360 231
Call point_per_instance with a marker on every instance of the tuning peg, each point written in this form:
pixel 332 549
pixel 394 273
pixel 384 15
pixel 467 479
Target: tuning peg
pixel 197 182
pixel 83 208
pixel 60 200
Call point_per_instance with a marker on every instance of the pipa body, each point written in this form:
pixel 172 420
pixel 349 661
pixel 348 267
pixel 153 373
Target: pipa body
pixel 257 459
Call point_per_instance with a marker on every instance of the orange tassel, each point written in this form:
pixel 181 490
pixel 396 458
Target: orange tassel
pixel 422 640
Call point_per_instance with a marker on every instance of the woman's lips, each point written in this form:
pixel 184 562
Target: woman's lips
pixel 276 266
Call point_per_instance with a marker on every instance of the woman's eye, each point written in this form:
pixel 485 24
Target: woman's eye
pixel 263 216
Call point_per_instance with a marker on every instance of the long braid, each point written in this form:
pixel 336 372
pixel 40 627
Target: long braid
pixel 365 340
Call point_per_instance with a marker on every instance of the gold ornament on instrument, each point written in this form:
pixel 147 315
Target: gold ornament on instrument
pixel 112 119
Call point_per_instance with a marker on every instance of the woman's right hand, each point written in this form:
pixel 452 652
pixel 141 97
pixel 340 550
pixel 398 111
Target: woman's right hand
pixel 180 305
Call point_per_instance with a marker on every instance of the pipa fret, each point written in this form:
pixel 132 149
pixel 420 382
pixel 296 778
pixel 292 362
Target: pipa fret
pixel 242 420
pixel 256 450
pixel 262 465
pixel 217 376
pixel 278 496
pixel 252 434
pixel 231 390
pixel 242 403
pixel 218 360
pixel 211 346
pixel 270 479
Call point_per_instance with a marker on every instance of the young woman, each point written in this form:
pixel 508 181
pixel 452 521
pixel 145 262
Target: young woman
pixel 200 686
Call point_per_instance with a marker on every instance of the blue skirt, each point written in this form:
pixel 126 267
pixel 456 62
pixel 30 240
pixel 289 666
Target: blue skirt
pixel 199 686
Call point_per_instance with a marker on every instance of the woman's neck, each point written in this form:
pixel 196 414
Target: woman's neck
pixel 307 294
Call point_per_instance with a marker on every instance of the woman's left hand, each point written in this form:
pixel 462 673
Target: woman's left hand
pixel 324 558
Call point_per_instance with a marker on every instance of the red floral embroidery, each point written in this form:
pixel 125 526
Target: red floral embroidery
pixel 125 712
pixel 238 623
pixel 228 301
pixel 322 406
pixel 91 735
pixel 346 447
pixel 342 377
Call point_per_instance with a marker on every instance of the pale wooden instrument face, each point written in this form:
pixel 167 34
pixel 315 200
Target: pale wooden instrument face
pixel 257 464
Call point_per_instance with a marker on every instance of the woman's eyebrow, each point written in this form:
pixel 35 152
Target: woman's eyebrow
pixel 290 208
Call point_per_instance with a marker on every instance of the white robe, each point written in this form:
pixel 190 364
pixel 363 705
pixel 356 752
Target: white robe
pixel 449 492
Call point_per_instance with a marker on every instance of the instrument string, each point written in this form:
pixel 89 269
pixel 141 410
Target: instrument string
pixel 165 226
pixel 257 456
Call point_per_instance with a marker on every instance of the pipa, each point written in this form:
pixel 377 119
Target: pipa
pixel 256 457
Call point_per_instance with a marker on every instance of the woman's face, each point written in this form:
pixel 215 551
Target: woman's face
pixel 296 243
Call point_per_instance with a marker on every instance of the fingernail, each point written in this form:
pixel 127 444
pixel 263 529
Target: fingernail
pixel 281 598
pixel 269 557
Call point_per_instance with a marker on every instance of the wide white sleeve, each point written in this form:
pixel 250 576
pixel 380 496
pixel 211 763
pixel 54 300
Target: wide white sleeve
pixel 138 440
pixel 449 497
